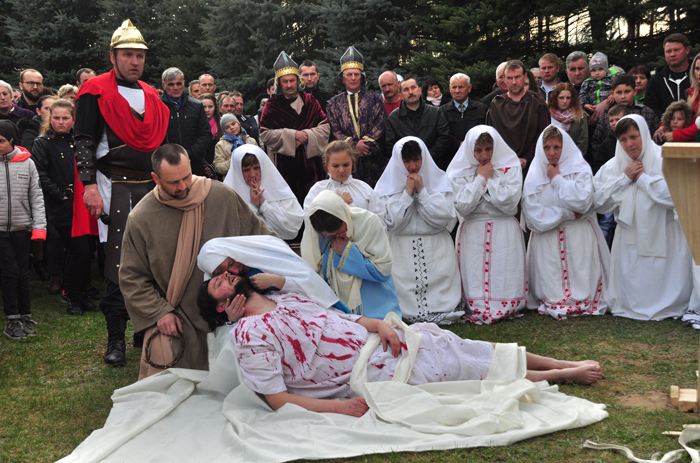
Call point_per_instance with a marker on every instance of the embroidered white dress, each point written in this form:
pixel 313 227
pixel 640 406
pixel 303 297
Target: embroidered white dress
pixel 304 349
pixel 363 196
pixel 650 264
pixel 490 247
pixel 425 267
pixel 567 258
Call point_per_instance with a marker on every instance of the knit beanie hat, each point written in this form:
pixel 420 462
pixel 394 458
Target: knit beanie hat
pixel 226 118
pixel 599 60
pixel 9 131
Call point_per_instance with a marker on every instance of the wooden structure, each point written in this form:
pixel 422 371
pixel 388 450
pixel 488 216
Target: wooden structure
pixel 681 167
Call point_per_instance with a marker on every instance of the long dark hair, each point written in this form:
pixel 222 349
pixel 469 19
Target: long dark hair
pixel 217 115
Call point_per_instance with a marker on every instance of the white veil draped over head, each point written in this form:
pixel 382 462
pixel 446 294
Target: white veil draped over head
pixel 364 229
pixel 570 162
pixel 464 164
pixel 271 180
pixel 638 212
pixel 393 180
pixel 270 255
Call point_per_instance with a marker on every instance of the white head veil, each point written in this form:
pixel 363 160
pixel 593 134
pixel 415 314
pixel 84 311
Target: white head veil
pixel 570 162
pixel 464 164
pixel 271 180
pixel 637 211
pixel 393 180
pixel 365 230
pixel 268 254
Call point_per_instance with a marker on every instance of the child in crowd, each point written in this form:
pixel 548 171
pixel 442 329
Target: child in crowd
pixel 604 154
pixel 234 136
pixel 623 93
pixel 55 163
pixel 598 87
pixel 22 219
pixel 678 115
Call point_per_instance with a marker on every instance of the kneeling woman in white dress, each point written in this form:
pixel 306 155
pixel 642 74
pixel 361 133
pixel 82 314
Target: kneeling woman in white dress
pixel 339 160
pixel 253 176
pixel 487 180
pixel 419 207
pixel 567 258
pixel 348 247
pixel 650 266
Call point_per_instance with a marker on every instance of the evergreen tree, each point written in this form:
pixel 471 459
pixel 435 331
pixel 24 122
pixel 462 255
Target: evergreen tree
pixel 147 16
pixel 384 31
pixel 57 38
pixel 244 37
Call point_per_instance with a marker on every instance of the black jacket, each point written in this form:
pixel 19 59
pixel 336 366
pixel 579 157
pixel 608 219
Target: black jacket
pixel 661 92
pixel 460 124
pixel 30 130
pixel 251 127
pixel 426 123
pixel 55 163
pixel 322 96
pixel 189 127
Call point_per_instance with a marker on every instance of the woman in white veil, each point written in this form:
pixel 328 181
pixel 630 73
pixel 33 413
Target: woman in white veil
pixel 567 258
pixel 419 211
pixel 253 176
pixel 487 180
pixel 650 266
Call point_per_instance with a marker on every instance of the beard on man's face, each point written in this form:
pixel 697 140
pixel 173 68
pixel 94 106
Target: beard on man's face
pixel 243 286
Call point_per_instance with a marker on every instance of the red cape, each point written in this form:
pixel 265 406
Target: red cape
pixel 143 136
pixel 83 222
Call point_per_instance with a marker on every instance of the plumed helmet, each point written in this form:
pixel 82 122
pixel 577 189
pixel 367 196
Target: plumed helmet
pixel 351 59
pixel 127 36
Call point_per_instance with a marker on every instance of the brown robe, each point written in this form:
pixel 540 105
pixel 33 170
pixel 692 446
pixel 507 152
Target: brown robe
pixel 148 252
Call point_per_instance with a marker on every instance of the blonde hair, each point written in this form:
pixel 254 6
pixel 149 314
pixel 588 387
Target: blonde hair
pixel 694 84
pixel 339 146
pixel 66 89
pixel 46 128
pixel 551 132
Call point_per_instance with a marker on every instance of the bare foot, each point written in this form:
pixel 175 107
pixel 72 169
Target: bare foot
pixel 584 374
pixel 568 364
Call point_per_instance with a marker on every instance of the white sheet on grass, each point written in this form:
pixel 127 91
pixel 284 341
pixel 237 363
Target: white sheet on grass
pixel 196 416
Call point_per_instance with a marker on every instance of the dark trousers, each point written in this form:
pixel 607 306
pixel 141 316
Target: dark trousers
pixel 14 266
pixel 70 256
pixel 112 303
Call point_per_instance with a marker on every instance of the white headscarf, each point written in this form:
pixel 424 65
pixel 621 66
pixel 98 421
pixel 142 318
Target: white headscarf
pixel 570 162
pixel 270 255
pixel 271 180
pixel 365 230
pixel 393 180
pixel 465 164
pixel 637 211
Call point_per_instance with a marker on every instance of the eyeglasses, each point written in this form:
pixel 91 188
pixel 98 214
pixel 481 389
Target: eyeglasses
pixel 33 84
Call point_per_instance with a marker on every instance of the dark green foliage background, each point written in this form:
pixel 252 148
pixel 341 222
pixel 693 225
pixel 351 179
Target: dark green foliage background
pixel 238 40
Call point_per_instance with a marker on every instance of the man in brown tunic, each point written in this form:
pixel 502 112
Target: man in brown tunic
pixel 519 115
pixel 158 275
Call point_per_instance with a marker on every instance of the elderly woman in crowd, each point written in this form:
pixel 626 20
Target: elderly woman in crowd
pixel 568 115
pixel 419 211
pixel 253 176
pixel 567 259
pixel 348 247
pixel 650 277
pixel 487 181
pixel 339 160
pixel 10 111
pixel 68 92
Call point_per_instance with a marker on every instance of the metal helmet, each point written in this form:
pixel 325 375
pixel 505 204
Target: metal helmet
pixel 127 36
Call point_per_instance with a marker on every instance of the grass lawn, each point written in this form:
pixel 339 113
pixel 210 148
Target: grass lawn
pixel 55 388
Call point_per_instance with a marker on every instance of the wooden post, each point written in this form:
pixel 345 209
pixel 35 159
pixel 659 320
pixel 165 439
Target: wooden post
pixel 681 167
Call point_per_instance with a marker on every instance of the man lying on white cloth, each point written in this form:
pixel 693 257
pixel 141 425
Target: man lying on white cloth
pixel 291 350
pixel 270 264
